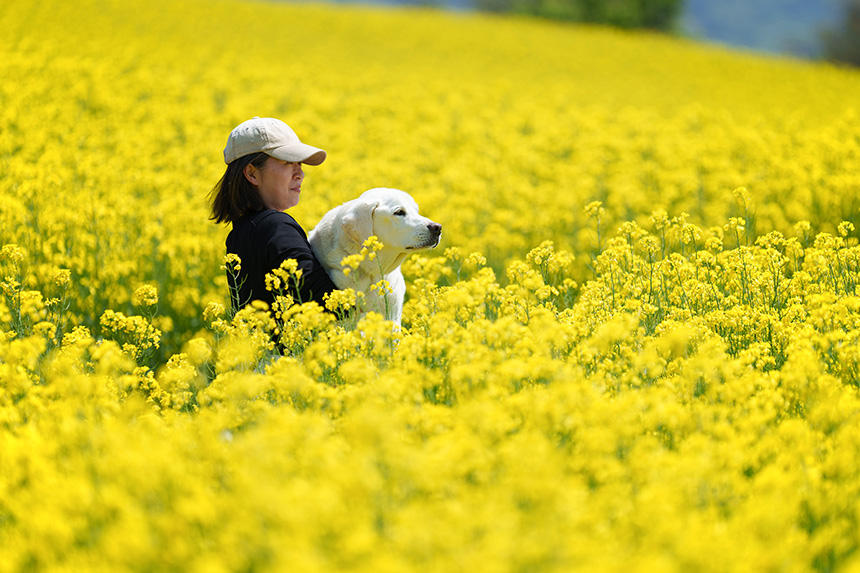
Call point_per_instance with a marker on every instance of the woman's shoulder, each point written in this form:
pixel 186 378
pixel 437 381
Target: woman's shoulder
pixel 272 218
pixel 271 221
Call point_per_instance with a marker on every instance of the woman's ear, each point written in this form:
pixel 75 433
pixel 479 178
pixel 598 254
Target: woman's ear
pixel 251 173
pixel 358 221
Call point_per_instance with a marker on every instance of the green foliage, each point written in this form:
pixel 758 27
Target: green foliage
pixel 654 14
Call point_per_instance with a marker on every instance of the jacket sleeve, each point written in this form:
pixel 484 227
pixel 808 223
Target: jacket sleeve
pixel 286 241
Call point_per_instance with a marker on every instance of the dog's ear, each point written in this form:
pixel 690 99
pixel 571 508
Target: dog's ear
pixel 358 221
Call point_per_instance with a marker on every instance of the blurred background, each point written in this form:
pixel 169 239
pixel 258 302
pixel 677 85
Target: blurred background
pixel 810 29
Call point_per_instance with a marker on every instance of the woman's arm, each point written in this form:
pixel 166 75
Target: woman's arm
pixel 288 241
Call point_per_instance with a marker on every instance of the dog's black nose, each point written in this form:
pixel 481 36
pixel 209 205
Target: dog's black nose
pixel 435 229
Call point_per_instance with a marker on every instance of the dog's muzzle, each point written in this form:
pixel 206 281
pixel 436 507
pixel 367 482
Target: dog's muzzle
pixel 431 239
pixel 435 233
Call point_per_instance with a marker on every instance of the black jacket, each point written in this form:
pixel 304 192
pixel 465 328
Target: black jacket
pixel 262 241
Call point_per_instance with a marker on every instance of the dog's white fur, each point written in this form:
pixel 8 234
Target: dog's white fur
pixel 391 215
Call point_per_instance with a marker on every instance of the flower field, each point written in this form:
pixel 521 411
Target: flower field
pixel 637 347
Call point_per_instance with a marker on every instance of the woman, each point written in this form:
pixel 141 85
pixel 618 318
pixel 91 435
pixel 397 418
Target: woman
pixel 263 179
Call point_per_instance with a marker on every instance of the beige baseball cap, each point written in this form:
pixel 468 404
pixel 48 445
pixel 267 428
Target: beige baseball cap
pixel 272 136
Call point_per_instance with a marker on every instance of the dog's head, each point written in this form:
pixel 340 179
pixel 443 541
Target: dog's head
pixel 391 215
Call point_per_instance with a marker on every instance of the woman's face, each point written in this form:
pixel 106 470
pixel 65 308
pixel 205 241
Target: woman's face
pixel 279 182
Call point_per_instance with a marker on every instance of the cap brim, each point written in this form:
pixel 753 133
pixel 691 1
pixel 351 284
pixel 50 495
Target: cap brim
pixel 298 152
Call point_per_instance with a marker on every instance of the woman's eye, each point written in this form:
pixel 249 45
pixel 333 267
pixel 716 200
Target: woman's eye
pixel 400 213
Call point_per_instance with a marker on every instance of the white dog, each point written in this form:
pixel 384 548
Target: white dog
pixel 391 215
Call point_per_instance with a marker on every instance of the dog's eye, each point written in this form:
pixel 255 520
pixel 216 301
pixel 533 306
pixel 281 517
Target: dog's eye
pixel 400 212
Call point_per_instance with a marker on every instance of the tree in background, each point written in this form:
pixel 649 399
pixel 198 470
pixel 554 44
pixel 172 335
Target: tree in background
pixel 842 43
pixel 654 14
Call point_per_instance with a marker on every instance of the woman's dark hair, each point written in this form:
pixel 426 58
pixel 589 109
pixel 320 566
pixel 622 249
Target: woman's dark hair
pixel 234 196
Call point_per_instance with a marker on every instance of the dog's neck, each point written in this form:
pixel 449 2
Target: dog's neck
pixel 390 261
pixel 385 260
